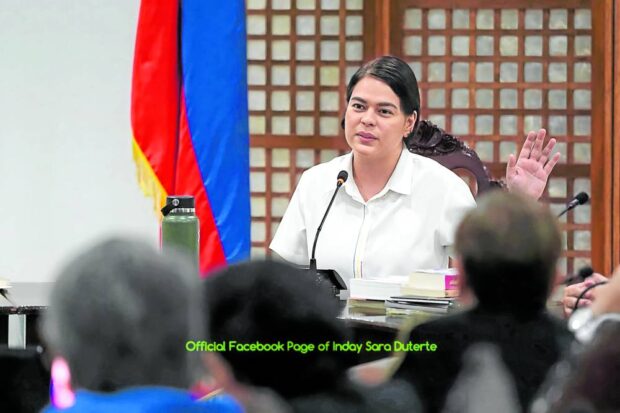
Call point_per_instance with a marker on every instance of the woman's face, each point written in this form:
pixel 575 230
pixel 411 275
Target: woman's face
pixel 374 123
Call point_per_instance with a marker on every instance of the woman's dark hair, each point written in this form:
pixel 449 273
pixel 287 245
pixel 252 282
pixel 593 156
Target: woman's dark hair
pixel 397 74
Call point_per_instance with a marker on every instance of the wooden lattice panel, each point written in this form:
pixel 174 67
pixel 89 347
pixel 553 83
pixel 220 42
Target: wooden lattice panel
pixel 489 75
pixel 301 53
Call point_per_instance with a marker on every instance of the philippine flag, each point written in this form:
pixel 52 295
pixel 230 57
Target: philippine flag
pixel 190 117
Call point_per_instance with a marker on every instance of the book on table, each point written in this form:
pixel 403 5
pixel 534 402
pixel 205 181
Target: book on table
pixel 377 288
pixel 366 307
pixel 368 295
pixel 421 315
pixel 424 290
pixel 417 303
pixel 432 283
pixel 420 300
pixel 425 283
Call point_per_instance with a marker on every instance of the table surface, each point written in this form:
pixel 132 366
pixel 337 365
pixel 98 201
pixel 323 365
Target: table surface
pixel 25 298
pixel 32 297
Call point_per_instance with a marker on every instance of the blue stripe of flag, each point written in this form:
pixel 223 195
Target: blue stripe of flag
pixel 213 44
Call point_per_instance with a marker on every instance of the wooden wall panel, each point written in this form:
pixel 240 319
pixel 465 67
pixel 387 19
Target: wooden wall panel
pixel 602 130
pixel 490 71
pixel 300 56
pixel 613 8
pixel 279 156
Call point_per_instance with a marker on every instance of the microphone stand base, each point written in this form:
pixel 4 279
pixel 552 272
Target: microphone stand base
pixel 329 277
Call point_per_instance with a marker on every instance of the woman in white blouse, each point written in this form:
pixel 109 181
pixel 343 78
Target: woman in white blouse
pixel 397 211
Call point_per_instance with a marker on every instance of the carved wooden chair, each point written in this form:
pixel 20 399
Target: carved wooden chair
pixel 433 142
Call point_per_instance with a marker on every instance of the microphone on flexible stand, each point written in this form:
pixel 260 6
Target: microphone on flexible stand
pixel 579 199
pixel 332 276
pixel 581 276
pixel 341 179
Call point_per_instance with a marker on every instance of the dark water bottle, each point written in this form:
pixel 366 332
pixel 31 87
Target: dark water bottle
pixel 179 228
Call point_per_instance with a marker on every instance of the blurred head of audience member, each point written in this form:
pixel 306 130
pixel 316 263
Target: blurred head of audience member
pixel 508 248
pixel 119 316
pixel 272 303
pixel 269 303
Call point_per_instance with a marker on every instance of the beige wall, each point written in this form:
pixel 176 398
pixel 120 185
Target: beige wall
pixel 66 172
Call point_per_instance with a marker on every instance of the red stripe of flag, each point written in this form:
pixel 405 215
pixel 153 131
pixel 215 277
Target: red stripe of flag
pixel 189 181
pixel 156 87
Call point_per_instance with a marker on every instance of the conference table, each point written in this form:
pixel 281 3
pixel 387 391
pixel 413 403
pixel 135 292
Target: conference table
pixel 381 329
pixel 20 308
pixel 25 301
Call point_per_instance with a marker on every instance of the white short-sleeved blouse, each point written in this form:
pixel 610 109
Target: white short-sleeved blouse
pixel 409 225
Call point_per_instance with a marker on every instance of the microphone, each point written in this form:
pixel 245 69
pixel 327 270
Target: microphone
pixel 579 199
pixel 581 276
pixel 341 179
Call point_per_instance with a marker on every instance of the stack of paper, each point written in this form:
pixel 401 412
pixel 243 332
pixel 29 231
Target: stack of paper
pixel 377 288
pixel 425 304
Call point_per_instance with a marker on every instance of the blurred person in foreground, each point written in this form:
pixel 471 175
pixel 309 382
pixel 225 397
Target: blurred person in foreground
pixel 270 302
pixel 507 250
pixel 119 317
pixel 588 380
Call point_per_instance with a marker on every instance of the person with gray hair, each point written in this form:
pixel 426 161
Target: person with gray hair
pixel 120 315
